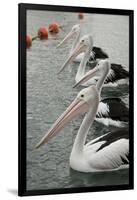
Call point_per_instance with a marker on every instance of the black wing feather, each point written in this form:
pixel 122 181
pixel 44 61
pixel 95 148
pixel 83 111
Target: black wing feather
pixel 119 73
pixel 117 109
pixel 98 53
pixel 113 137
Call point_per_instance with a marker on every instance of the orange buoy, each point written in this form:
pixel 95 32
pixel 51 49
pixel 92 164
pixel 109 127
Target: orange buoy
pixel 81 15
pixel 54 27
pixel 43 33
pixel 28 41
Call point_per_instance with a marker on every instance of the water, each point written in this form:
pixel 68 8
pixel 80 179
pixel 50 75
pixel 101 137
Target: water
pixel 49 94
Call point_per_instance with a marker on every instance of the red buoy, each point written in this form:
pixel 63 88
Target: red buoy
pixel 43 33
pixel 28 41
pixel 54 27
pixel 81 15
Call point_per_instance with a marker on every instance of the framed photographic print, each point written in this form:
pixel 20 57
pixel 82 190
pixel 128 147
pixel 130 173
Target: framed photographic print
pixel 75 99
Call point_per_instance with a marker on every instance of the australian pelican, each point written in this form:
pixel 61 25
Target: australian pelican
pixel 111 111
pixel 117 74
pixel 75 33
pixel 108 152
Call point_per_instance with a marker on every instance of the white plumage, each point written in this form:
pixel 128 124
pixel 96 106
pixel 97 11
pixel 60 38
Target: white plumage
pixel 103 109
pixel 111 122
pixel 109 158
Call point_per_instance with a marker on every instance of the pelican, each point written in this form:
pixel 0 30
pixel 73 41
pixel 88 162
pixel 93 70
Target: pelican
pixel 111 111
pixel 108 152
pixel 96 53
pixel 85 45
pixel 117 74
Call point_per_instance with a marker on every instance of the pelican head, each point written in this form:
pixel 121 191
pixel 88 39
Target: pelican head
pixel 102 67
pixel 86 99
pixel 84 45
pixel 74 31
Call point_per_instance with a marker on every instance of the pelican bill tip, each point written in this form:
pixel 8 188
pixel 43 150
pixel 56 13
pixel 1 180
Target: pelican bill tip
pixel 59 72
pixel 36 146
pixel 57 46
pixel 74 86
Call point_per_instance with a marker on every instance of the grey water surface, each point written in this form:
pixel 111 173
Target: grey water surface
pixel 49 94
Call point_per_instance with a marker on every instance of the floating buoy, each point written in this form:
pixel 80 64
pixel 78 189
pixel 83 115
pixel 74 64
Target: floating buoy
pixel 43 33
pixel 28 40
pixel 54 27
pixel 81 15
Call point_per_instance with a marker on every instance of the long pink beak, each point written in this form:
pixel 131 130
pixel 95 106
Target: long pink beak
pixel 76 108
pixel 68 36
pixel 74 54
pixel 87 76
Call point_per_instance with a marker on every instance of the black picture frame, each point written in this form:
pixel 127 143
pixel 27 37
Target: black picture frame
pixel 22 97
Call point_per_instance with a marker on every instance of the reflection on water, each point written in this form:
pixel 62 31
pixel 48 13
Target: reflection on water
pixel 98 178
pixel 48 95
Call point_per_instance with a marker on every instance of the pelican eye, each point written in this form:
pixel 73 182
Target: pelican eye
pixel 82 95
pixel 82 40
